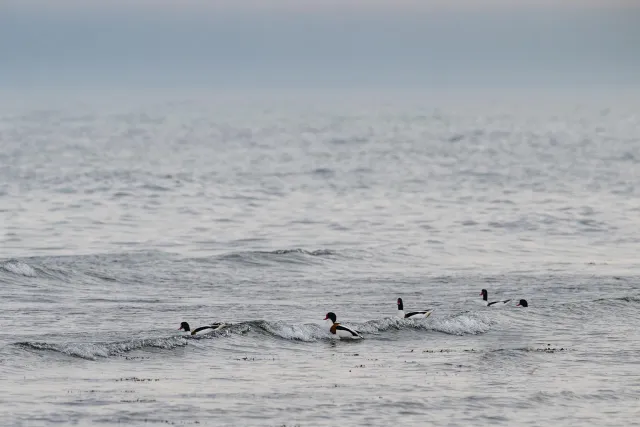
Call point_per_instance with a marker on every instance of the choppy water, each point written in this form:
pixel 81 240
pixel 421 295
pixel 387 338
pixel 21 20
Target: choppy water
pixel 120 220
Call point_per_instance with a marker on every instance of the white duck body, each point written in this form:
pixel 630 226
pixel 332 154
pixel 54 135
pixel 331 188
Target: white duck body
pixel 412 314
pixel 184 326
pixel 485 300
pixel 340 332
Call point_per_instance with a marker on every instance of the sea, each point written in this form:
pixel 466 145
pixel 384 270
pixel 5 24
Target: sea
pixel 124 214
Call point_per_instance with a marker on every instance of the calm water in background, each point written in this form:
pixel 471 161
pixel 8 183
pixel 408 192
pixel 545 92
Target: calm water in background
pixel 120 218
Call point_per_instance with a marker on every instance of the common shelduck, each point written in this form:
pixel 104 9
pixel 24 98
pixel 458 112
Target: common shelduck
pixel 413 314
pixel 485 296
pixel 184 326
pixel 340 332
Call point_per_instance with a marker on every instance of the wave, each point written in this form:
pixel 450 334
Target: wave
pixel 461 324
pixel 319 252
pixel 627 299
pixel 21 268
pixel 92 351
pixel 18 268
pixel 63 268
pixel 99 266
pixel 307 332
pixel 295 256
pixel 627 302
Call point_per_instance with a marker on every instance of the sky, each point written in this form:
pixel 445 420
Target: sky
pixel 318 43
pixel 309 5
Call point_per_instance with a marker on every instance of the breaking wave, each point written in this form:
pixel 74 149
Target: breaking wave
pixel 92 351
pixel 459 324
pixel 462 324
pixel 18 268
pixel 284 256
pixel 626 299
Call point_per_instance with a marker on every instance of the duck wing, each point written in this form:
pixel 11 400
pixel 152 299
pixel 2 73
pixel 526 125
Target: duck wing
pixel 496 302
pixel 202 328
pixel 413 313
pixel 351 331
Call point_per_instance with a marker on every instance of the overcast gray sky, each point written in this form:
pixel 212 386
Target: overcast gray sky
pixel 318 43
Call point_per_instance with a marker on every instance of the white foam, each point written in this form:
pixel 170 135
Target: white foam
pixel 92 351
pixel 463 324
pixel 301 332
pixel 19 267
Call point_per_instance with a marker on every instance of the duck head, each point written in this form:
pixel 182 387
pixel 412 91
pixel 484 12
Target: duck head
pixel 522 303
pixel 484 294
pixel 400 305
pixel 184 326
pixel 331 316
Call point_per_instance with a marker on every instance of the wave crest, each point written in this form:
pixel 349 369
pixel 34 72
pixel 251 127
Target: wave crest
pixel 92 351
pixel 464 324
pixel 627 299
pixel 262 258
pixel 458 324
pixel 302 332
pixel 19 268
pixel 461 324
pixel 317 252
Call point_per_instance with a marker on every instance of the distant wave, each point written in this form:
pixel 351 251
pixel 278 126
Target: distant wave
pixel 620 305
pixel 294 256
pixel 589 305
pixel 461 324
pixel 18 268
pixel 629 299
pixel 106 267
pixel 92 351
pixel 21 268
pixel 319 252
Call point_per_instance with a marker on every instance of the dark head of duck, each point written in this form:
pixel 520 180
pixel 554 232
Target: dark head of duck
pixel 484 294
pixel 331 316
pixel 522 303
pixel 400 305
pixel 184 326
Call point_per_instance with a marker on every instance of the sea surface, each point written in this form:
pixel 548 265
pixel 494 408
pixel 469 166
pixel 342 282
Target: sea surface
pixel 123 215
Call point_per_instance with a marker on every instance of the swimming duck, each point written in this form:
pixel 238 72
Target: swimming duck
pixel 485 296
pixel 413 314
pixel 339 331
pixel 522 303
pixel 184 326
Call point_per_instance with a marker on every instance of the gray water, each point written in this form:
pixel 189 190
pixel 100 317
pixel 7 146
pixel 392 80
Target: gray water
pixel 122 217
